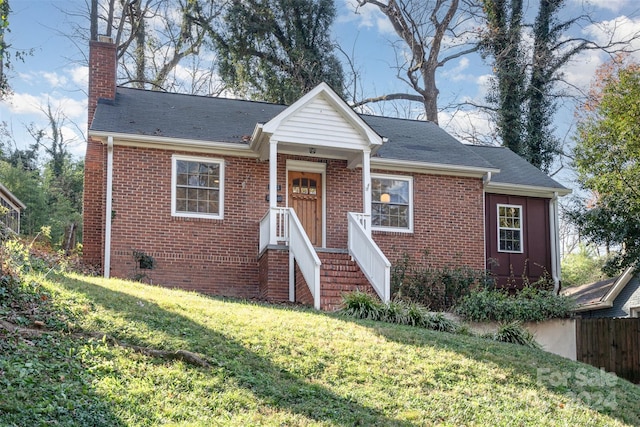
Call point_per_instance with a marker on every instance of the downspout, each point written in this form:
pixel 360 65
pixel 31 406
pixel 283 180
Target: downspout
pixel 108 213
pixel 486 179
pixel 555 243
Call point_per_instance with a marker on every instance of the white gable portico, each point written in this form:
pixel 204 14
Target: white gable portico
pixel 320 124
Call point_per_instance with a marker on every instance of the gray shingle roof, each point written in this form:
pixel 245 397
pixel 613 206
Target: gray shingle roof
pixel 422 141
pixel 513 168
pixel 171 115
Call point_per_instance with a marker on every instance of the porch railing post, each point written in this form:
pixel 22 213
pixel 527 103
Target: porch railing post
pixel 273 191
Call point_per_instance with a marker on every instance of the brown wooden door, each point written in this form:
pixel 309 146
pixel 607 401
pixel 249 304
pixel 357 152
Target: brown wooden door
pixel 305 197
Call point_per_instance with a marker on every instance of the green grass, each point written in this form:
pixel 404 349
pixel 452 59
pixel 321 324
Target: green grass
pixel 275 365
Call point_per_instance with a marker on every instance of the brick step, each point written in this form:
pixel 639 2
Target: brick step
pixel 339 274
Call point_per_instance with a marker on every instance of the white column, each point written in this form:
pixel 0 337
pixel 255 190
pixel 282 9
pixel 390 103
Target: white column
pixel 273 189
pixel 366 188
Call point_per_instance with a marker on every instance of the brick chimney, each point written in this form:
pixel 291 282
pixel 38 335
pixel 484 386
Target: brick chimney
pixel 102 72
pixel 102 84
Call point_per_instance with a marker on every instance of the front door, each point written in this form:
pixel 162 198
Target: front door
pixel 305 197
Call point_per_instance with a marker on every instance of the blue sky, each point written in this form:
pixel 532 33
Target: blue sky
pixel 55 74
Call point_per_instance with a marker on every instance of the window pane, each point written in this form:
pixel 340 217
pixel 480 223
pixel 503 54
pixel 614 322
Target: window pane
pixel 390 203
pixel 197 187
pixel 509 229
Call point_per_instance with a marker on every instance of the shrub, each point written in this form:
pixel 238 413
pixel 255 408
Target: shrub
pixel 437 322
pixel 529 304
pixel 514 333
pixel 437 288
pixel 366 306
pixel 362 305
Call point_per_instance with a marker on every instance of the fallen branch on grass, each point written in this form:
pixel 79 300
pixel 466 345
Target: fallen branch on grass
pixel 182 355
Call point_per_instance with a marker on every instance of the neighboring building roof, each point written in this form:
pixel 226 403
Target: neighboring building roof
pixel 513 168
pixel 599 295
pixel 212 119
pixel 11 198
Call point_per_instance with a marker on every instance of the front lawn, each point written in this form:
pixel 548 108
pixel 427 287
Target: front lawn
pixel 279 365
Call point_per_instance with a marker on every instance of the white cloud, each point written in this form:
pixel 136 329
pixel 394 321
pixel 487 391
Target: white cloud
pixel 28 104
pixel 80 76
pixel 580 71
pixel 470 126
pixel 55 80
pixel 368 16
pixel 612 5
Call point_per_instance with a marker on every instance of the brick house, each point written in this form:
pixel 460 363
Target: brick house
pixel 299 202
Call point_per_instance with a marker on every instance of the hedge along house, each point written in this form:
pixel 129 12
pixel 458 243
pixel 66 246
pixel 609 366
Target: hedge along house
pixel 299 202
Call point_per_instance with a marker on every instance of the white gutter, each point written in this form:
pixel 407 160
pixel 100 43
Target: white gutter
pixel 154 141
pixel 108 209
pixel 426 167
pixel 526 190
pixel 555 243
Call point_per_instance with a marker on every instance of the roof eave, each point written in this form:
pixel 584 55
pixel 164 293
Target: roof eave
pixel 153 141
pixel 13 198
pixel 525 190
pixel 432 168
pixel 599 305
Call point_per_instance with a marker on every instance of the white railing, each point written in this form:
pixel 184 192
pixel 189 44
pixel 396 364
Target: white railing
pixel 375 266
pixel 280 231
pixel 308 262
pixel 364 220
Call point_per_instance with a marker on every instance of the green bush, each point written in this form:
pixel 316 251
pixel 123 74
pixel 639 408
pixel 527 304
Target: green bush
pixel 437 288
pixel 528 304
pixel 362 305
pixel 367 306
pixel 514 333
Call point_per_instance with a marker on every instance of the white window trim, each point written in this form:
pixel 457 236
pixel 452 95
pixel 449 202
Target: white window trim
pixel 409 179
pixel 521 229
pixel 174 181
pixel 634 311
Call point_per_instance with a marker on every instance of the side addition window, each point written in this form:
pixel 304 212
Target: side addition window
pixel 510 228
pixel 197 187
pixel 392 203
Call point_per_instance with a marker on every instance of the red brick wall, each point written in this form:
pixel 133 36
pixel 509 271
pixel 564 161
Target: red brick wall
pixel 274 275
pixel 220 256
pixel 102 84
pixel 303 294
pixel 447 222
pixel 208 255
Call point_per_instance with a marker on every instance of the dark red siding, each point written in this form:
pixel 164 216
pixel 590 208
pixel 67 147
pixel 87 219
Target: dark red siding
pixel 536 255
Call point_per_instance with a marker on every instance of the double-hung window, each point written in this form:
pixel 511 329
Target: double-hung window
pixel 392 203
pixel 197 187
pixel 510 228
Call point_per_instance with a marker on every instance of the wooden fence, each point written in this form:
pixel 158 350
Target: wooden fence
pixel 611 344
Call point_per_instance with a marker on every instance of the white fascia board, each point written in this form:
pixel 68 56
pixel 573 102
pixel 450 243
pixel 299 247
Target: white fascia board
pixel 619 285
pixel 340 106
pixel 593 306
pixel 13 200
pixel 429 168
pixel 256 138
pixel 525 190
pixel 192 145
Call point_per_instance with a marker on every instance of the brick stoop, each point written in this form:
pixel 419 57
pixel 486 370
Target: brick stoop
pixel 339 274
